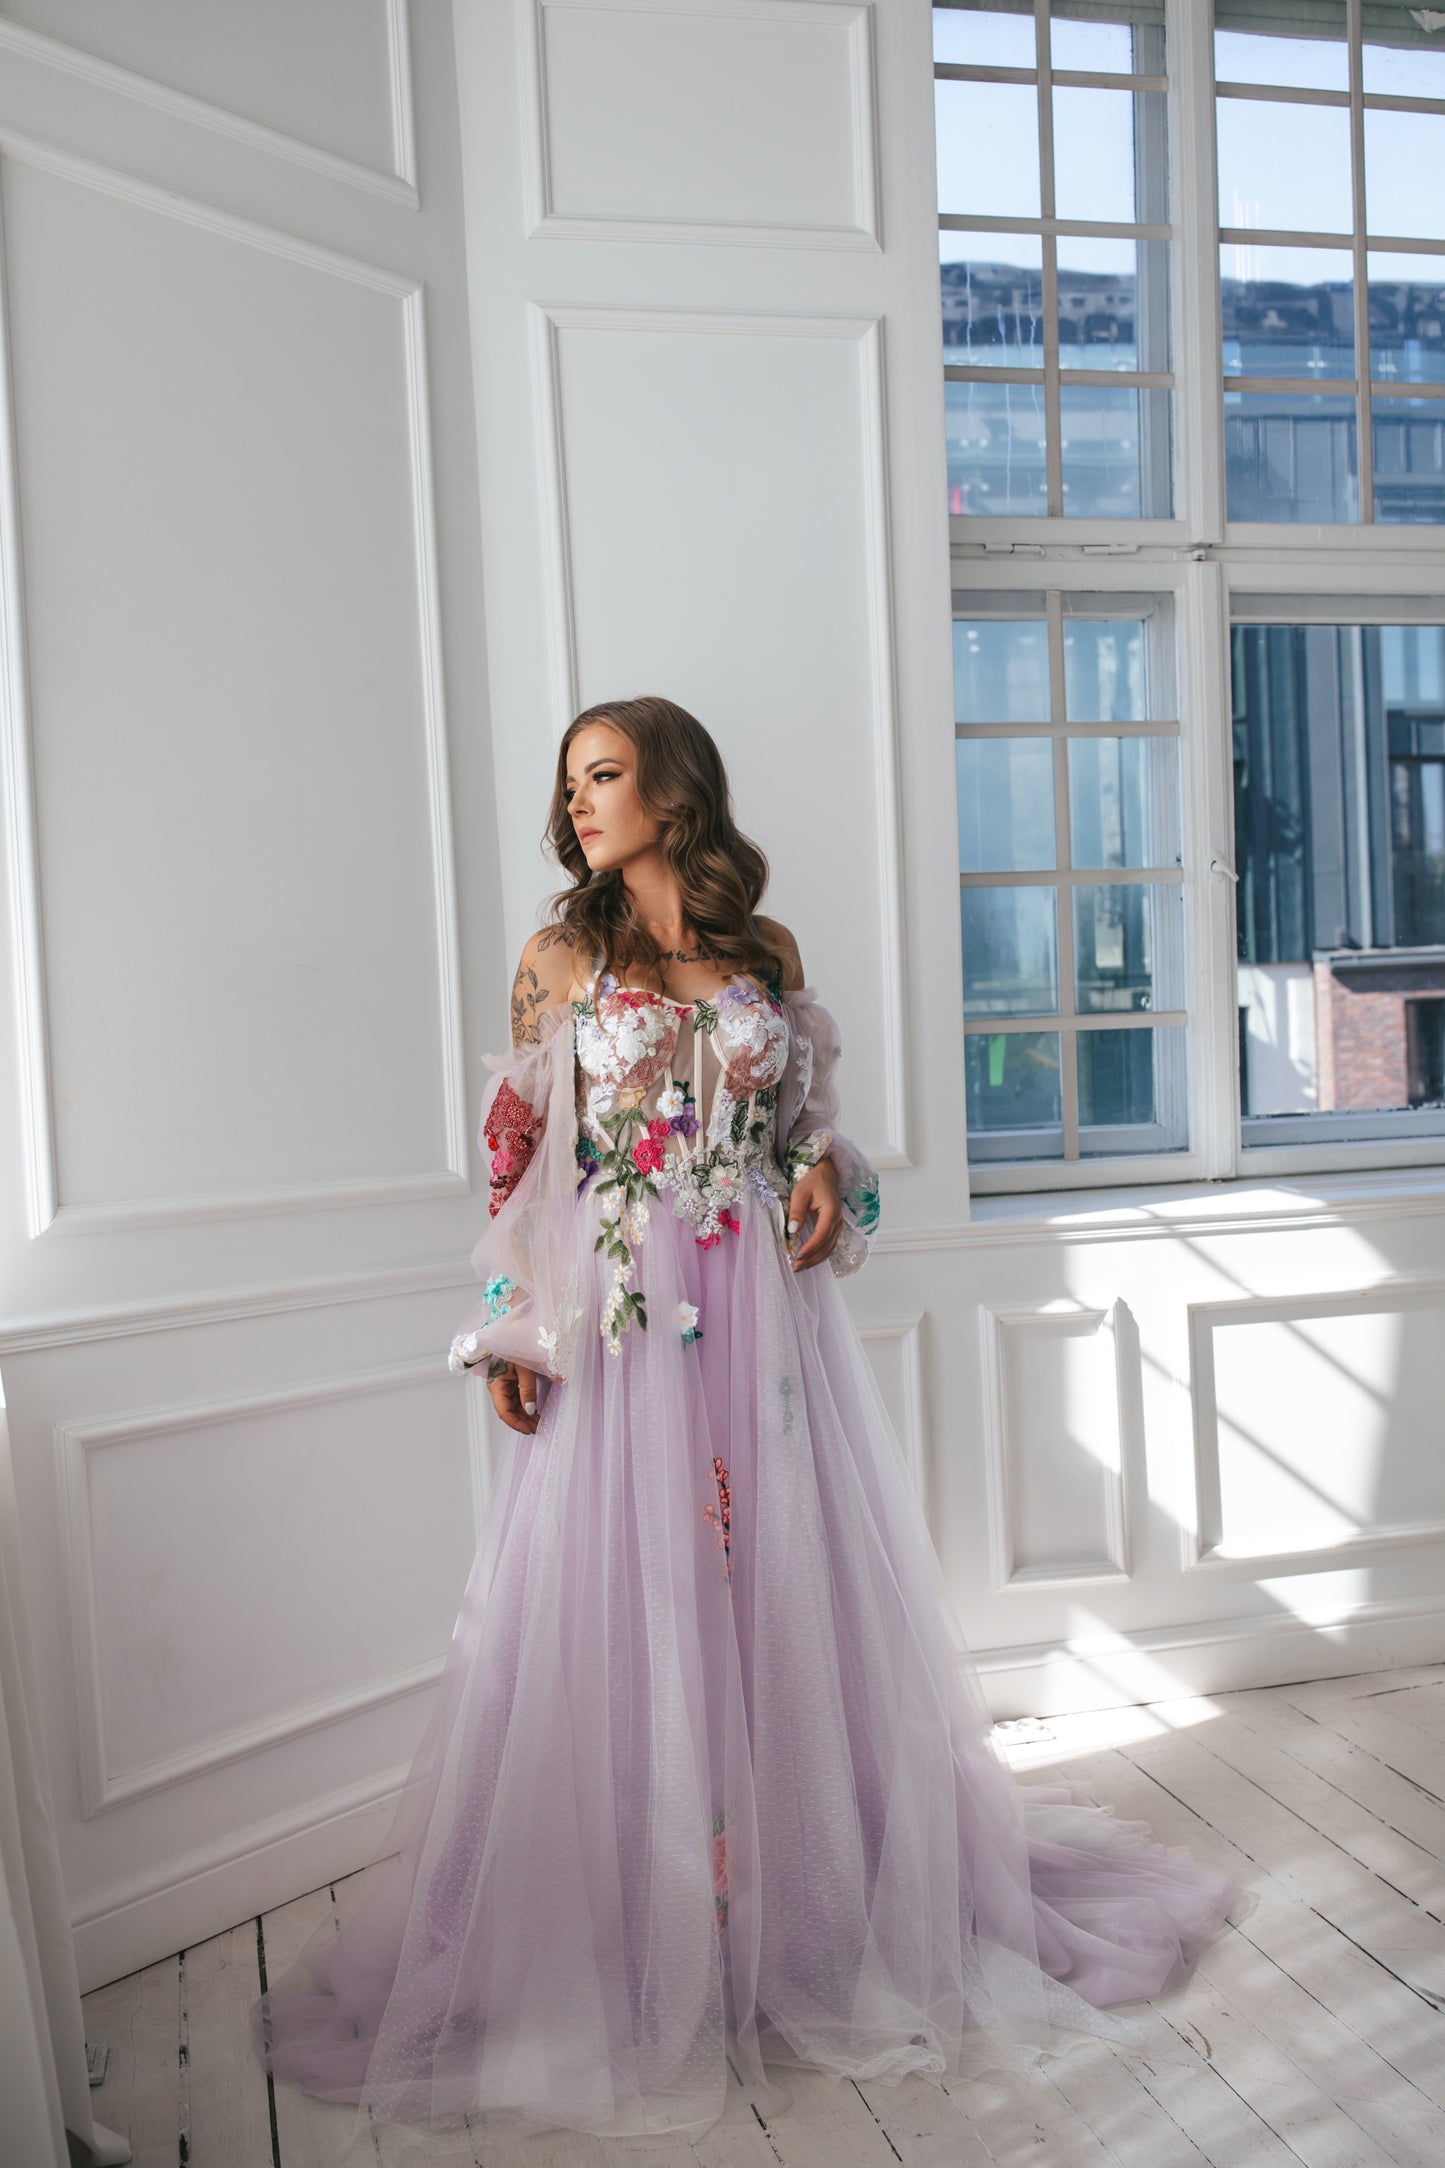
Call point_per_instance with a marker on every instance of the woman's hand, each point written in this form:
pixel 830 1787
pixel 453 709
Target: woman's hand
pixel 513 1389
pixel 816 1191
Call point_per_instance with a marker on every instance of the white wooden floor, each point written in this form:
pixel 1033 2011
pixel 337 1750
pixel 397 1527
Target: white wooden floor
pixel 1314 2030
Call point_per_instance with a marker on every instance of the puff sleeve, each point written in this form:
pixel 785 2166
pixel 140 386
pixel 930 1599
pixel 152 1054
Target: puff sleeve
pixel 808 1108
pixel 526 1257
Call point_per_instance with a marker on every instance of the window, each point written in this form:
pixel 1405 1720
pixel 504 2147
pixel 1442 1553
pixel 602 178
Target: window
pixel 1332 282
pixel 1192 283
pixel 1054 261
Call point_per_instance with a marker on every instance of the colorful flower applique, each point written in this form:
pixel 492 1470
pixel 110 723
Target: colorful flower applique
pixel 678 1109
pixel 719 1516
pixel 497 1295
pixel 723 1840
pixel 687 1323
pixel 513 1128
pixel 622 1207
pixel 589 1159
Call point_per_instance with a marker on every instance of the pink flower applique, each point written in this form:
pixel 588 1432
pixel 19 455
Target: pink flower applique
pixel 649 1154
pixel 722 1860
pixel 719 1516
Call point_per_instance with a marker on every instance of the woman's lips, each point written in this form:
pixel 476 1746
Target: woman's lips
pixel 584 833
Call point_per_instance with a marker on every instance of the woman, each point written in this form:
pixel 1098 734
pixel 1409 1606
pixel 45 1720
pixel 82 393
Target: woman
pixel 710 1777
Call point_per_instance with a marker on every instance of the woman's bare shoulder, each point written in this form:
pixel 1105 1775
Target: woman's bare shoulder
pixel 548 976
pixel 776 932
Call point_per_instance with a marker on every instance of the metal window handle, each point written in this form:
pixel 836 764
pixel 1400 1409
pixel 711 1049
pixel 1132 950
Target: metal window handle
pixel 1222 870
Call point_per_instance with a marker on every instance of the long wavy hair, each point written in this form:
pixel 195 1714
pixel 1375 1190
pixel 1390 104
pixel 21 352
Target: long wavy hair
pixel 682 783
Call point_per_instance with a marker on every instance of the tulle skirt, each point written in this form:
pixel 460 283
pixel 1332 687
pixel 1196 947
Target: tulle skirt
pixel 709 1776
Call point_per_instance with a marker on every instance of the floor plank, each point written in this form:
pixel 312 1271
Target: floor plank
pixel 139 2019
pixel 230 2112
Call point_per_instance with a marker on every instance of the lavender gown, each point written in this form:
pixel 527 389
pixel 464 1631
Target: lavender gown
pixel 709 1776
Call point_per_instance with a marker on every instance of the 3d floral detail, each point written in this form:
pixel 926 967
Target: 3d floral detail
pixel 498 1293
pixel 805 1152
pixel 722 1862
pixel 547 1342
pixel 731 1221
pixel 588 1160
pixel 709 1241
pixel 719 1516
pixel 609 1206
pixel 861 1202
pixel 465 1352
pixel 648 1153
pixel 513 1127
pixel 725 1180
pixel 687 1322
pixel 678 1109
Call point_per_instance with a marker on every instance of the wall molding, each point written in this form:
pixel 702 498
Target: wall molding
pixel 1200 1546
pixel 47 1211
pixel 1212 1656
pixel 142 1919
pixel 913 1441
pixel 547 319
pixel 544 223
pixel 397 187
pixel 996 1325
pixel 101 1785
pixel 224 1306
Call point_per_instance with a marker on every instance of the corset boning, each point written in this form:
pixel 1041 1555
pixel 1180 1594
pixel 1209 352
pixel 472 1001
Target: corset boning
pixel 703 1074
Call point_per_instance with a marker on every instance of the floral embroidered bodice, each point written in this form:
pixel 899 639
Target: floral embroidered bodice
pixel 680 1098
pixel 629 1101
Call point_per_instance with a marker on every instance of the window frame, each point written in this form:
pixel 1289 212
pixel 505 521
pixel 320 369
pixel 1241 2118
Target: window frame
pixel 1210 568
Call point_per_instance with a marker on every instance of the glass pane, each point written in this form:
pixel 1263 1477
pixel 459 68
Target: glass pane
pixel 1298 63
pixel 1287 311
pixel 987 148
pixel 1012 1080
pixel 1339 764
pixel 1005 805
pixel 1124 802
pixel 983 38
pixel 1407 318
pixel 1094 151
pixel 1132 1092
pixel 1290 457
pixel 1115 451
pixel 995 438
pixel 1413 70
pixel 1010 952
pixel 1402 151
pixel 1409 440
pixel 1000 670
pixel 1126 947
pixel 1102 48
pixel 1104 670
pixel 1113 303
pixel 993 298
pixel 1286 166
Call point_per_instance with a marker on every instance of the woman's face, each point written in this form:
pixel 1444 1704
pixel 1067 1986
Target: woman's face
pixel 602 799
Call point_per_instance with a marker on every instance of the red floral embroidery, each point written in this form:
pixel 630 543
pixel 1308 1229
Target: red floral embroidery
pixel 513 1127
pixel 708 1242
pixel 731 1221
pixel 719 1516
pixel 722 1851
pixel 648 1153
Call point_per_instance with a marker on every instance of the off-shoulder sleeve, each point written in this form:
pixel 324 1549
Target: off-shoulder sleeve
pixel 526 1258
pixel 808 1108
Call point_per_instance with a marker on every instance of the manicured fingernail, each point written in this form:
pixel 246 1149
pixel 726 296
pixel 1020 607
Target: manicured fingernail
pixel 529 1407
pixel 793 1226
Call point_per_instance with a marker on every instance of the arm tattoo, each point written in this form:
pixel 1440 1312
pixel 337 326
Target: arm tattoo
pixel 529 998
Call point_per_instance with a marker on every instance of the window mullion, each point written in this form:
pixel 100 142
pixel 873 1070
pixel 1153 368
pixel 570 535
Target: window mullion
pixel 1364 412
pixel 1064 892
pixel 1198 328
pixel 1206 710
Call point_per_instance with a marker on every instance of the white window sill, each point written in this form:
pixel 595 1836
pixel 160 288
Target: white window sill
pixel 1250 1205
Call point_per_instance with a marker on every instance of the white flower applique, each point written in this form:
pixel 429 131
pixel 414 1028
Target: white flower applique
pixel 687 1322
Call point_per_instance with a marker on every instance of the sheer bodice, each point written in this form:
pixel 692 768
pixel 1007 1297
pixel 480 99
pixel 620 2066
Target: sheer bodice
pixel 695 1086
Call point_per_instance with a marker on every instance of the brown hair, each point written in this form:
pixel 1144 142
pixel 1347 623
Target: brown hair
pixel 682 783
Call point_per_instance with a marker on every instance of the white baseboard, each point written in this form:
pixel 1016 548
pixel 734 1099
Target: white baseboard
pixel 1216 1656
pixel 205 1892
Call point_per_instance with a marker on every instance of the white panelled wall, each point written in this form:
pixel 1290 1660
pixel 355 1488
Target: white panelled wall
pixel 381 387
